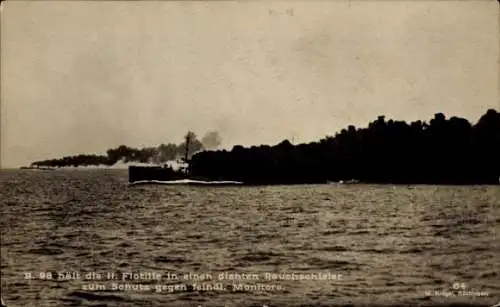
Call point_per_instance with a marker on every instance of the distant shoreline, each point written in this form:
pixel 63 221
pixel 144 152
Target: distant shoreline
pixel 442 151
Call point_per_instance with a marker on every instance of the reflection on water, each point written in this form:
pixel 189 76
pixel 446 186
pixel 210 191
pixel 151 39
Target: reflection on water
pixel 386 245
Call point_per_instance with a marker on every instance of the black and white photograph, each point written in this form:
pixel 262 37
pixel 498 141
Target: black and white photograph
pixel 296 153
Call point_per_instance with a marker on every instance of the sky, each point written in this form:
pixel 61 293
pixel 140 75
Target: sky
pixel 81 77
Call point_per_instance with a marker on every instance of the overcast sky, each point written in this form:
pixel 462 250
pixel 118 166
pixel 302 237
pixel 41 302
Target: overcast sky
pixel 85 76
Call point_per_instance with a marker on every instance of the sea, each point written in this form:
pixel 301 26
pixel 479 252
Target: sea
pixel 87 238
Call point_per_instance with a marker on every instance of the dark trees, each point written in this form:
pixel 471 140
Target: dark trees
pixel 446 151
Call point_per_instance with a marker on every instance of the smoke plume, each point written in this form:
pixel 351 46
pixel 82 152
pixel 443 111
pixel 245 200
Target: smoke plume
pixel 211 140
pixel 153 155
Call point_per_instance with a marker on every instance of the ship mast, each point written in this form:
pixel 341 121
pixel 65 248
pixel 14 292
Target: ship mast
pixel 186 153
pixel 188 139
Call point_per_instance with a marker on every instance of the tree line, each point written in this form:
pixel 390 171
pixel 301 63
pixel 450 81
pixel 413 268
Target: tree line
pixel 443 151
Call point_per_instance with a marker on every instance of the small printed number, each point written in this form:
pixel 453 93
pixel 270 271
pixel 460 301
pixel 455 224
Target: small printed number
pixel 459 285
pixel 45 275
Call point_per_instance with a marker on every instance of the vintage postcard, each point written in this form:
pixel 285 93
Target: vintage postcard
pixel 250 153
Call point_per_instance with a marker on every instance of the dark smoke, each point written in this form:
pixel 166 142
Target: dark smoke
pixel 153 155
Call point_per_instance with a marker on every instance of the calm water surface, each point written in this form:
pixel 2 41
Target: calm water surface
pixel 392 245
